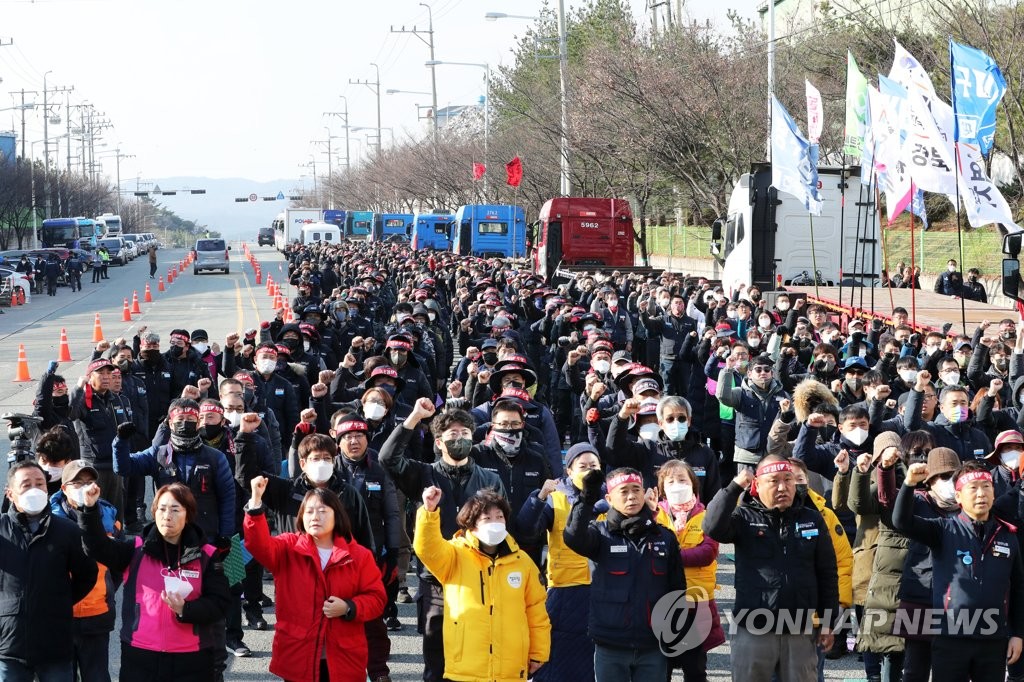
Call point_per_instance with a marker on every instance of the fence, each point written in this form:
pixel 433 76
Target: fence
pixel 982 247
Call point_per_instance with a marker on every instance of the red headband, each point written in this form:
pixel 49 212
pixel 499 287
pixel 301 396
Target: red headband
pixel 971 476
pixel 180 337
pixel 774 468
pixel 210 407
pixel 186 411
pixel 397 344
pixel 622 479
pixel 353 425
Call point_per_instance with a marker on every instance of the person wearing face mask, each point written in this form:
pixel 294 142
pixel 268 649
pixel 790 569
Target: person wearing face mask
pixel 94 615
pixel 680 510
pixel 637 563
pixel 1004 461
pixel 954 427
pixel 568 573
pixel 54 450
pixel 973 288
pixel 950 282
pixel 52 403
pixel 506 634
pixel 44 572
pixel 359 467
pixel 671 442
pixel 319 564
pixel 93 407
pixel 151 368
pixel 186 459
pixel 398 351
pixel 672 329
pixel 755 400
pixel 507 451
pixel 977 569
pixel 459 477
pixel 854 436
pixel 186 367
pixel 851 391
pixel 176 594
pixel 200 341
pixel 616 322
pixel 275 393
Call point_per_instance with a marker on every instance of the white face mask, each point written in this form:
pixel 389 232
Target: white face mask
pixel 950 378
pixel 857 436
pixel 945 491
pixel 374 411
pixel 306 346
pixel 951 268
pixel 32 501
pixel 1010 458
pixel 731 314
pixel 909 376
pixel 233 418
pixel 663 302
pixel 201 347
pixel 54 472
pixel 175 585
pixel 319 472
pixel 601 366
pixel 783 306
pixel 266 365
pixel 612 302
pixel 432 316
pixel 649 431
pixel 491 533
pixel 678 493
pixel 77 495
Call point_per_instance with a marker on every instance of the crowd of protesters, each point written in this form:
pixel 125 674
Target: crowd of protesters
pixel 561 462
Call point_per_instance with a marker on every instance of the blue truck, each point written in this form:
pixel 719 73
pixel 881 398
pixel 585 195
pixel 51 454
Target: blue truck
pixel 432 231
pixel 61 232
pixel 392 227
pixel 335 217
pixel 358 225
pixel 487 231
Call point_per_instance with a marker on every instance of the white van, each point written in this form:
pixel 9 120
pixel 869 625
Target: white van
pixel 321 232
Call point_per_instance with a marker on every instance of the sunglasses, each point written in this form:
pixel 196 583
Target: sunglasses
pixel 761 369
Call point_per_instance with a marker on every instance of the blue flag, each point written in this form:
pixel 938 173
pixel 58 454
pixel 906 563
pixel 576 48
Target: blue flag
pixel 794 160
pixel 917 207
pixel 978 85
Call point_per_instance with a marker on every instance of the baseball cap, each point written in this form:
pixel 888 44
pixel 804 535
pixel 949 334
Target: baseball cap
pixel 75 467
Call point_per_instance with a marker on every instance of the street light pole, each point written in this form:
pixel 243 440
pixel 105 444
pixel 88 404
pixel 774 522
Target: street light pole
pixel 487 105
pixel 380 140
pixel 563 67
pixel 433 73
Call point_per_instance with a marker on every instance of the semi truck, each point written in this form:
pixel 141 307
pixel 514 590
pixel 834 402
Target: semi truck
pixel 575 233
pixel 766 239
pixel 358 225
pixel 392 226
pixel 432 231
pixel 487 231
pixel 111 223
pixel 288 225
pixel 60 232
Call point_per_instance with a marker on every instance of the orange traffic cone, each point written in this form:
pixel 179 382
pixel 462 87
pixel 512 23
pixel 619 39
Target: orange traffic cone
pixel 170 276
pixel 136 310
pixel 181 266
pixel 97 330
pixel 259 276
pixel 126 314
pixel 277 302
pixel 64 355
pixel 160 285
pixel 148 296
pixel 22 373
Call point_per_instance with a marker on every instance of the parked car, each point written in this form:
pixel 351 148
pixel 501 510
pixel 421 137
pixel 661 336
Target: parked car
pixel 211 254
pixel 115 247
pixel 134 244
pixel 18 280
pixel 265 237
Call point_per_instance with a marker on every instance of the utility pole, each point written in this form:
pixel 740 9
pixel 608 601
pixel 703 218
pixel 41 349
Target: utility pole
pixel 23 93
pixel 374 86
pixel 563 77
pixel 343 115
pixel 429 42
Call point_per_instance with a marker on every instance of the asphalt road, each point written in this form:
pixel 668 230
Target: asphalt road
pixel 220 304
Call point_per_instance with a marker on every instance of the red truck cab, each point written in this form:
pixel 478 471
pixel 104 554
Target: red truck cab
pixel 583 233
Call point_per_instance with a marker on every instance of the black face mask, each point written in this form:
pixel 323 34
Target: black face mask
pixel 150 355
pixel 828 433
pixel 124 366
pixel 293 344
pixel 458 448
pixel 490 358
pixel 801 489
pixel 61 400
pixel 211 431
pixel 185 430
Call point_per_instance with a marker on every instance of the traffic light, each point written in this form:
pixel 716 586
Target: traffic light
pixel 241 200
pixel 198 191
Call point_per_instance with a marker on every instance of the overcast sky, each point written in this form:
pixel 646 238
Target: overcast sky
pixel 233 88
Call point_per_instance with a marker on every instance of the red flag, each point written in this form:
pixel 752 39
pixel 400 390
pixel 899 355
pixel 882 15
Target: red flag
pixel 478 170
pixel 514 169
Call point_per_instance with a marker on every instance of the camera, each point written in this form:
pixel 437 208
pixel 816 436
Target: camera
pixel 21 430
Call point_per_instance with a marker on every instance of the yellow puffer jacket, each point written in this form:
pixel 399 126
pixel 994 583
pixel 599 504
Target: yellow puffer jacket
pixel 692 535
pixel 841 545
pixel 495 620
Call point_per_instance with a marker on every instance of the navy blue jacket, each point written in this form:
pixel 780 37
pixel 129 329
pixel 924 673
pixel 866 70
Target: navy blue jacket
pixel 976 567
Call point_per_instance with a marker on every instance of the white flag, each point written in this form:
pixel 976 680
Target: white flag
pixel 982 199
pixel 927 149
pixel 815 113
pixel 909 73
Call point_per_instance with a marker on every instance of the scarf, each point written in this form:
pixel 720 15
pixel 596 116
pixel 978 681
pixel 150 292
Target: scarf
pixel 681 513
pixel 186 444
pixel 633 527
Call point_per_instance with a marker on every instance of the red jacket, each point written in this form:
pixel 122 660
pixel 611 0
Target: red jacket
pixel 301 587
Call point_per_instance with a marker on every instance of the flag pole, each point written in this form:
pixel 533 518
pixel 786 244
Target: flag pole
pixel 913 288
pixel 842 224
pixel 959 232
pixel 885 252
pixel 814 258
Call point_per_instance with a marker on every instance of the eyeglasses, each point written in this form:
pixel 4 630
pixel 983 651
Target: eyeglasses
pixel 761 369
pixel 353 435
pixel 507 425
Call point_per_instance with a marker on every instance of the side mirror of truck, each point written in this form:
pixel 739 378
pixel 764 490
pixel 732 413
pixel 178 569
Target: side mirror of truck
pixel 1011 279
pixel 716 230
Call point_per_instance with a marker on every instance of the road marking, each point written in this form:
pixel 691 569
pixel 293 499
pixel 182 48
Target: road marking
pixel 240 322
